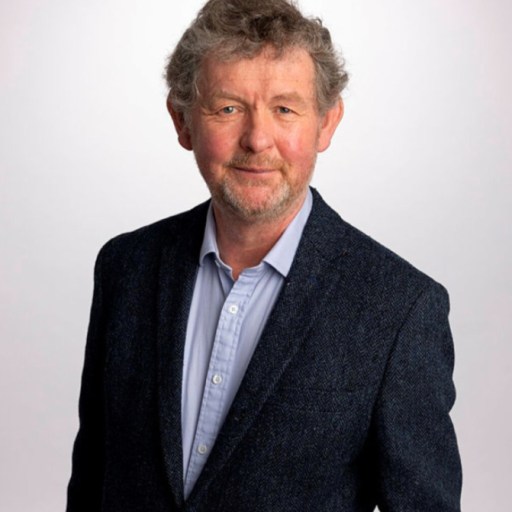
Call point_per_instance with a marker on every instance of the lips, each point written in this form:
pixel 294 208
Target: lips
pixel 254 170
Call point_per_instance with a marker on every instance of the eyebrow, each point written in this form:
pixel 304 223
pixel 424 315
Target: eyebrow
pixel 287 97
pixel 292 97
pixel 225 95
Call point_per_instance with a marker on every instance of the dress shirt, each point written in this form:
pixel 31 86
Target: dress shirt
pixel 225 323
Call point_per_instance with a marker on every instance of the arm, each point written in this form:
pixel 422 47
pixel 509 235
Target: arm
pixel 418 462
pixel 85 486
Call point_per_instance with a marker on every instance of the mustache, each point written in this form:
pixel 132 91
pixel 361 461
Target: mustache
pixel 259 162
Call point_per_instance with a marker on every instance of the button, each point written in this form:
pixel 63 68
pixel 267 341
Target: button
pixel 233 309
pixel 202 449
pixel 217 379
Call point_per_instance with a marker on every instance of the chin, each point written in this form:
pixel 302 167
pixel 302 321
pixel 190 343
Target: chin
pixel 256 205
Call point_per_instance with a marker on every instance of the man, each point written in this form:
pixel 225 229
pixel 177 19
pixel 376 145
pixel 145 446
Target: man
pixel 257 353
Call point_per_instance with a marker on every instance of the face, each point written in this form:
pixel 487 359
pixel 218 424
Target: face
pixel 256 132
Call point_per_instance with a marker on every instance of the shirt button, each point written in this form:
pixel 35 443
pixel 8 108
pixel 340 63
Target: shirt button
pixel 217 379
pixel 233 309
pixel 202 449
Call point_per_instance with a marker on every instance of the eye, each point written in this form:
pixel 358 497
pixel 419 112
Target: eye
pixel 284 110
pixel 228 110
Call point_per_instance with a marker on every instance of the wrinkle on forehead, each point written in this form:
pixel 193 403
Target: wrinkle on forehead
pixel 295 67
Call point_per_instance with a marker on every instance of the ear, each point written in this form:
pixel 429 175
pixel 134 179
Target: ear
pixel 180 125
pixel 328 125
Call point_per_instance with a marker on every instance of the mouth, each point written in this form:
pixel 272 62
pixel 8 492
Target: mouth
pixel 254 170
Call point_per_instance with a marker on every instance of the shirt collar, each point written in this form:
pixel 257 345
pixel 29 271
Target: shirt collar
pixel 280 257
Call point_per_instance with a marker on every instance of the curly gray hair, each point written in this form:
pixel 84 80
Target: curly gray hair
pixel 234 29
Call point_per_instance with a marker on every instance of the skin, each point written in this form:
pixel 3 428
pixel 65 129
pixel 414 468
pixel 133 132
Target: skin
pixel 255 133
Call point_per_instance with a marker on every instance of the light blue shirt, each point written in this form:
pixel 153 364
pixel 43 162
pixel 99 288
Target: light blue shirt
pixel 225 323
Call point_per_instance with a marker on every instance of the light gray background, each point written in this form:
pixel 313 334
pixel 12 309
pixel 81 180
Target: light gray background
pixel 421 162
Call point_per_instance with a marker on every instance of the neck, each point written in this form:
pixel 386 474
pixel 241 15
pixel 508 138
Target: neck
pixel 244 243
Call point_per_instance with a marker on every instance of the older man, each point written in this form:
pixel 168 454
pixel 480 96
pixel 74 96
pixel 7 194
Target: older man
pixel 258 353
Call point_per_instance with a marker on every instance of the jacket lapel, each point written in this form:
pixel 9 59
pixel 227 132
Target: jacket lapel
pixel 178 267
pixel 300 301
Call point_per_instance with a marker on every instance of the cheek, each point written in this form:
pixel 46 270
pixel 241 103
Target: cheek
pixel 299 147
pixel 213 147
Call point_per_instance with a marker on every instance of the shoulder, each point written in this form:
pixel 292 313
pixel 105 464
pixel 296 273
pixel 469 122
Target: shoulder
pixel 183 231
pixel 365 265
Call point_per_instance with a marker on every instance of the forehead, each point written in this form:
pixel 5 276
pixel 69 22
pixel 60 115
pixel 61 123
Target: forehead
pixel 267 71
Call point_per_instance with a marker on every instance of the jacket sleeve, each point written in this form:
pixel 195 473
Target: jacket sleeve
pixel 418 462
pixel 85 486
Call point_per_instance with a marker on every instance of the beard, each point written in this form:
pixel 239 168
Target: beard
pixel 254 199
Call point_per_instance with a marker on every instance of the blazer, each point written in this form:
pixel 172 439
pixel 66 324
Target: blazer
pixel 344 406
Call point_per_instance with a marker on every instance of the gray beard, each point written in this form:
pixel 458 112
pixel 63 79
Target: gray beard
pixel 271 209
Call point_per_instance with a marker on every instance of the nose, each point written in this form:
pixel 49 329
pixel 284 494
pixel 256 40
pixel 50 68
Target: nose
pixel 257 133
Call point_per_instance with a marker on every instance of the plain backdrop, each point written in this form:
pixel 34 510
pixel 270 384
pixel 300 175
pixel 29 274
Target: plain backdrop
pixel 421 162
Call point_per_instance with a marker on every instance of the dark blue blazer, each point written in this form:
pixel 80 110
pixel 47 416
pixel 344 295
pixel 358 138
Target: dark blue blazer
pixel 344 407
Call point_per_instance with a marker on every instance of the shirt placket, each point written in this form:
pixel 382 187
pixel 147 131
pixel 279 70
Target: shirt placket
pixel 227 337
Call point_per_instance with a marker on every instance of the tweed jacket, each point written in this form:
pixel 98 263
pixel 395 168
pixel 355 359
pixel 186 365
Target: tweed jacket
pixel 344 406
